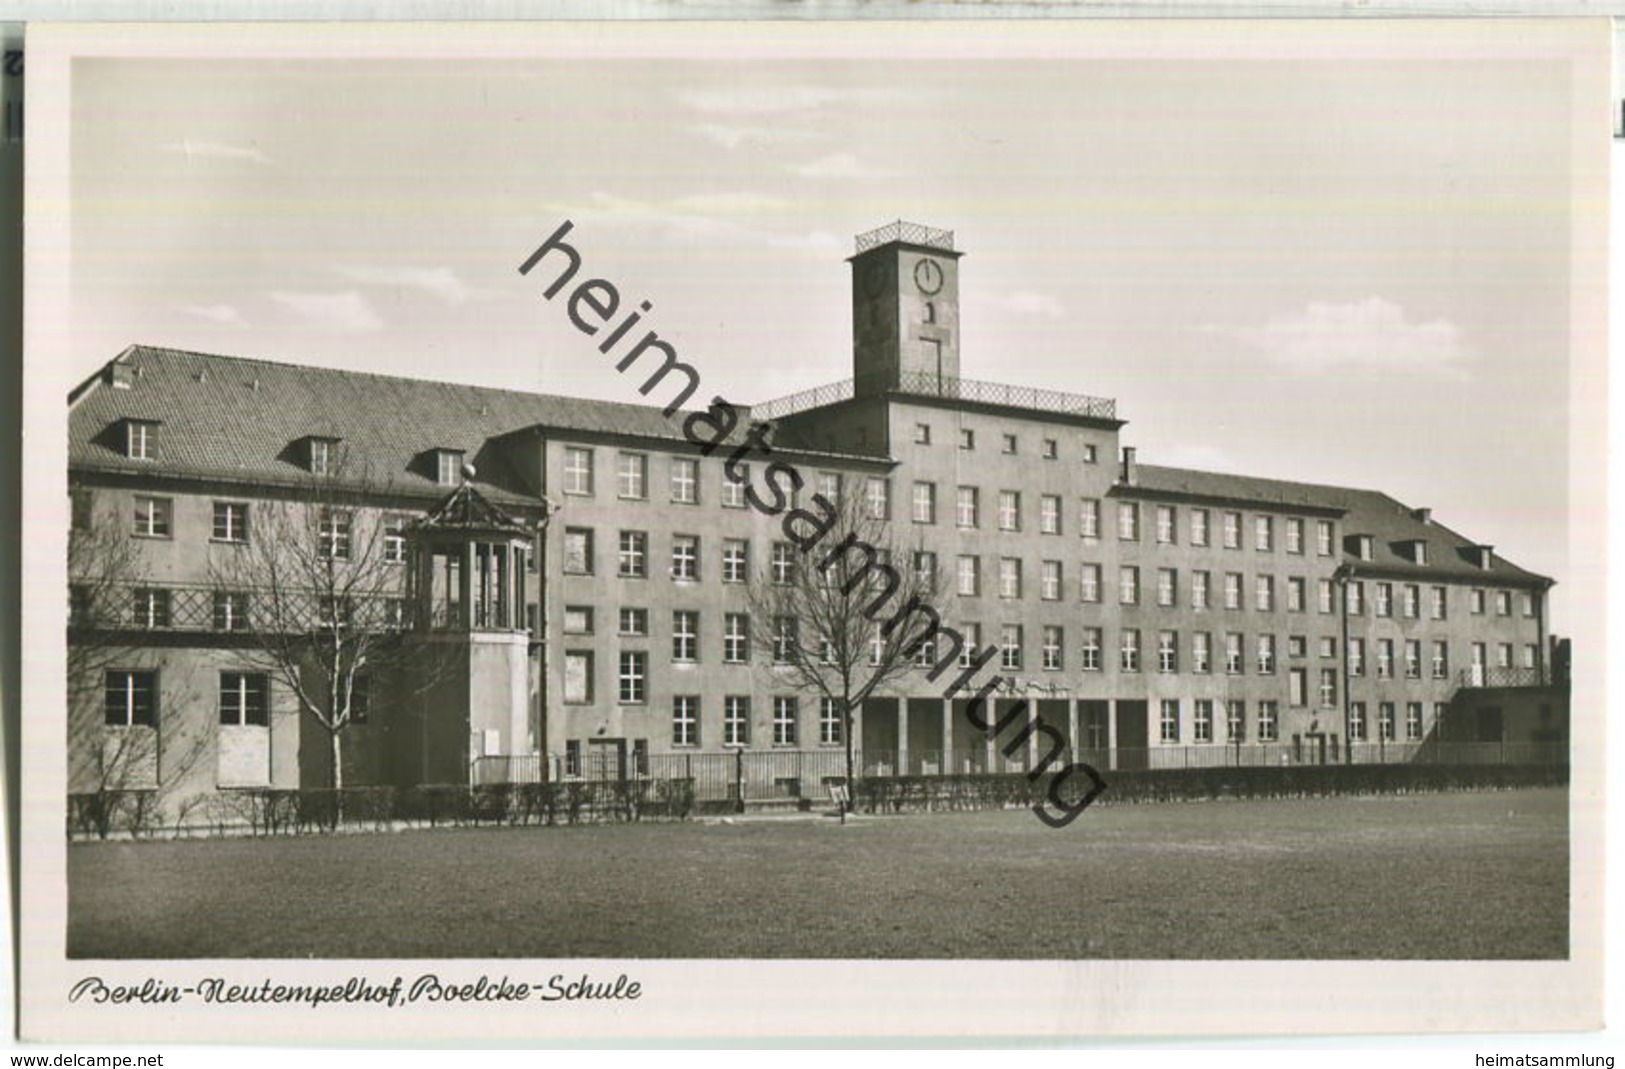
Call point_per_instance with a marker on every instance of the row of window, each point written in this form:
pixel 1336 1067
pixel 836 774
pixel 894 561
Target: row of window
pixel 1009 444
pixel 1171 720
pixel 321 454
pixel 154 517
pixel 131 699
pixel 154 608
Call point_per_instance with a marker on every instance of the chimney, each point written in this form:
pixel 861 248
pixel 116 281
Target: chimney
pixel 1422 515
pixel 1130 473
pixel 121 375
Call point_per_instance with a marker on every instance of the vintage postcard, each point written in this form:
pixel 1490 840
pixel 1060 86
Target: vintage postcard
pixel 719 530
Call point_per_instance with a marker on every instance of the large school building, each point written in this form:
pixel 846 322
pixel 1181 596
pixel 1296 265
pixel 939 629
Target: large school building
pixel 578 574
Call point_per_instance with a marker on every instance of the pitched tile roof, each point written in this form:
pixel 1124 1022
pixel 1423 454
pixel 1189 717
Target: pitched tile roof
pixel 1390 523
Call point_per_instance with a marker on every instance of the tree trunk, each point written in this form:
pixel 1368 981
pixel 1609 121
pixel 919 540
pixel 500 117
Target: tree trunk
pixel 851 780
pixel 336 776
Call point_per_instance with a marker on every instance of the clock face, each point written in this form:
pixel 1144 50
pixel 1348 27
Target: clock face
pixel 928 276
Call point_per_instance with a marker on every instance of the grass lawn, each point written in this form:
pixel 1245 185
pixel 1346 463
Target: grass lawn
pixel 1422 876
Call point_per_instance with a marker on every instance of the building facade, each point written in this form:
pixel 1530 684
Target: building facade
pixel 579 574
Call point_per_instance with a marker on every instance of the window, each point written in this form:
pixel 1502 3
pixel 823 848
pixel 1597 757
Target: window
pixel 685 480
pixel 1326 595
pixel 1264 593
pixel 140 439
pixel 786 637
pixel 1199 527
pixel 1328 688
pixel 1128 521
pixel 967 438
pixel 1009 577
pixel 1264 534
pixel 1009 443
pixel 1413 721
pixel 1531 655
pixel 634 622
pixel 1411 601
pixel 1128 650
pixel 1356 726
pixel 1049 580
pixel 1233 656
pixel 1052 449
pixel 1167 651
pixel 633 476
pixel 1169 721
pixel 965 506
pixel 333 534
pixel 577 620
pixel 784 721
pixel 1356 656
pixel 1441 659
pixel 1235 720
pixel 1328 646
pixel 394 540
pixel 244 699
pixel 685 720
pixel 1503 603
pixel 1323 537
pixel 1128 585
pixel 1269 717
pixel 1049 514
pixel 1232 530
pixel 1009 510
pixel 1166 530
pixel 925 502
pixel 577 470
pixel 1202 726
pixel 1053 644
pixel 1010 646
pixel 1440 598
pixel 1295 593
pixel 1232 590
pixel 877 495
pixel 578 677
pixel 736 720
pixel 829 722
pixel 1475 601
pixel 335 611
pixel 1167 587
pixel 1200 584
pixel 733 489
pixel 1201 652
pixel 1088 453
pixel 829 485
pixel 1385 658
pixel 970 576
pixel 1266 655
pixel 784 563
pixel 1091 649
pixel 1385 721
pixel 735 638
pixel 1355 598
pixel 230 610
pixel 685 556
pixel 572 757
pixel 1528 599
pixel 320 455
pixel 685 636
pixel 81 503
pixel 577 551
pixel 448 466
pixel 131 699
pixel 1294 534
pixel 633 676
pixel 1383 603
pixel 1503 655
pixel 151 607
pixel 152 516
pixel 735 560
pixel 1089 582
pixel 973 639
pixel 231 522
pixel 1413 659
pixel 633 562
pixel 922 434
pixel 1089 518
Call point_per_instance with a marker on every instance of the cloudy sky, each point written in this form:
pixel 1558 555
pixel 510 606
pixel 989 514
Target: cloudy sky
pixel 1355 272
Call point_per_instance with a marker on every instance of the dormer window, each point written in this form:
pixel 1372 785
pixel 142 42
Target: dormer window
pixel 1484 556
pixel 448 466
pixel 321 454
pixel 141 439
pixel 1418 550
pixel 1363 546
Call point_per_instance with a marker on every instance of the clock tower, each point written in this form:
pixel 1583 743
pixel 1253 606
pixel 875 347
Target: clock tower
pixel 905 311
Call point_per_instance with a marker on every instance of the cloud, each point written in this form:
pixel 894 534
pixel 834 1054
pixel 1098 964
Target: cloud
pixel 215 150
pixel 729 202
pixel 1026 302
pixel 441 282
pixel 348 312
pixel 773 99
pixel 838 165
pixel 223 314
pixel 819 241
pixel 1372 334
pixel 732 137
pixel 712 218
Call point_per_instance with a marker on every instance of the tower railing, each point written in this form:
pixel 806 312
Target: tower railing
pixel 928 384
pixel 909 233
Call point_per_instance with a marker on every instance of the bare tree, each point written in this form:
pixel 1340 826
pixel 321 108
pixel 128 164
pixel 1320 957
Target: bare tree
pixel 846 615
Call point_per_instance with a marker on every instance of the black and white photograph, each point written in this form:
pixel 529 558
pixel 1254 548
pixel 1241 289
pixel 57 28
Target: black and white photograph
pixel 621 516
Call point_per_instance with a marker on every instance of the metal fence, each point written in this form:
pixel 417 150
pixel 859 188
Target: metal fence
pixel 790 775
